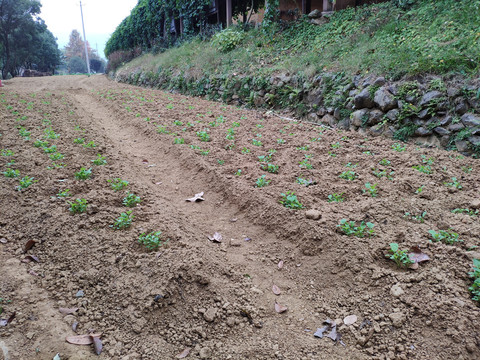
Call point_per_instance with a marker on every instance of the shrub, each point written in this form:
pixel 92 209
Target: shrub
pixel 228 39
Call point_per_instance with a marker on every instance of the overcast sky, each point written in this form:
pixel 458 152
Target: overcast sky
pixel 101 17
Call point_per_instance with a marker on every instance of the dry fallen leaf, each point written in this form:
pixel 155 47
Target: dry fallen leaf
pixel 417 256
pixel 217 237
pixel 276 290
pixel 67 311
pixel 280 264
pixel 145 161
pixel 28 245
pixel 75 326
pixel 30 258
pixel 351 319
pixel 85 339
pixel 31 272
pixel 280 308
pixel 5 322
pixel 184 353
pixel 97 344
pixel 197 197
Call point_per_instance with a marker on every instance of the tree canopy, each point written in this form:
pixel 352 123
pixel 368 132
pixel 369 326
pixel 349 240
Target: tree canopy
pixel 25 40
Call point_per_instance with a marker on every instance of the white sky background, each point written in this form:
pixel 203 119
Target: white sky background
pixel 101 18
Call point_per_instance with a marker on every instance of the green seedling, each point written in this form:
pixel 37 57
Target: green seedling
pixel 385 162
pixel 220 162
pixel 203 136
pixel 348 175
pixel 455 184
pixel 162 130
pixel 467 169
pixel 257 142
pixel 262 181
pixel 419 218
pixel 470 212
pixel 50 134
pixel 304 164
pixel 371 189
pixel 123 221
pixel 335 197
pixel 50 150
pixel 475 275
pixel 25 182
pixel 369 153
pixel 151 241
pixel 56 156
pixel 78 206
pixel 10 173
pixel 90 145
pixel 245 150
pixel 336 145
pixel 303 148
pixel 304 182
pixel 83 174
pixel 131 200
pixel 289 200
pixel 401 257
pixel 195 147
pixel 271 168
pixel 398 147
pixel 332 154
pixel 446 236
pixel 40 144
pixel 281 141
pixel 426 169
pixel 179 141
pixel 178 123
pixel 427 161
pixel 24 133
pixel 204 152
pixel 99 161
pixel 383 173
pixel 64 194
pixel 238 172
pixel 7 152
pixel 349 228
pixel 420 189
pixel 79 141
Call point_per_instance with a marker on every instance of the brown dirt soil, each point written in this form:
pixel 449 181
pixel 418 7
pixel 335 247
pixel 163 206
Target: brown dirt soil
pixel 216 298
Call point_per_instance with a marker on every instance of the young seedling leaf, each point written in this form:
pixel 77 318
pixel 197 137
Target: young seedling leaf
pixel 86 339
pixel 184 353
pixel 280 308
pixel 97 344
pixel 28 245
pixel 67 311
pixel 197 197
pixel 217 237
pixel 276 290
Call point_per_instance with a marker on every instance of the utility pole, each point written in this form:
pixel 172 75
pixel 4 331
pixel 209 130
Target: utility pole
pixel 85 40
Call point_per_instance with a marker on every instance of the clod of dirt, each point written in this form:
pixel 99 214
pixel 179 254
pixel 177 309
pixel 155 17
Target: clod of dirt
pixel 280 308
pixel 184 353
pixel 67 311
pixel 210 314
pixel 97 344
pixel 196 197
pixel 217 237
pixel 313 214
pixel 28 245
pixel 397 318
pixel 5 322
pixel 351 319
pixel 396 290
pixel 85 339
pixel 276 290
pixel 30 258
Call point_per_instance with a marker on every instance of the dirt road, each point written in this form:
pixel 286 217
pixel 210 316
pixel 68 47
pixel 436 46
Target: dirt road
pixel 215 299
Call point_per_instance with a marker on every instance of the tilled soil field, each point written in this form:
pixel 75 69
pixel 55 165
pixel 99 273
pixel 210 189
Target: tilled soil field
pixel 247 273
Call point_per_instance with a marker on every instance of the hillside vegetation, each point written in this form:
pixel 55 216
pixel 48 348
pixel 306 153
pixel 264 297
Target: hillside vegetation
pixel 434 36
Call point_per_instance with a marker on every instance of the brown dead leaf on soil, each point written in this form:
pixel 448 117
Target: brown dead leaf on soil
pixel 280 308
pixel 417 256
pixel 28 245
pixel 184 353
pixel 197 197
pixel 97 344
pixel 85 339
pixel 67 311
pixel 217 237
pixel 276 290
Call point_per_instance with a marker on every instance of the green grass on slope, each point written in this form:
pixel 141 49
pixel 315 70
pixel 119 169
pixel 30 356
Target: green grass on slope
pixel 435 36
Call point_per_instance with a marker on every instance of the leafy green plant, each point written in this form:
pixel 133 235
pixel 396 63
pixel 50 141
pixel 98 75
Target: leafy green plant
pixel 475 275
pixel 426 169
pixel 262 181
pixel 179 141
pixel 203 136
pixel 151 241
pixel 131 200
pixel 178 123
pixel 385 162
pixel 271 168
pixel 56 156
pixel 228 39
pixel 419 218
pixel 281 141
pixel 118 184
pixel 50 134
pixel 305 182
pixel 335 197
pixel 162 130
pixel 238 172
pixel 383 173
pixel 83 174
pixel 50 150
pixel 78 206
pixel 467 169
pixel 401 257
pixel 257 142
pixel 398 147
pixel 220 162
pixel 304 164
pixel 371 189
pixel 348 175
pixel 454 184
pixel 25 182
pixel 245 150
pixel 24 133
pixel 123 221
pixel 290 200
pixel 99 161
pixel 90 145
pixel 40 144
pixel 7 152
pixel 10 173
pixel 446 236
pixel 64 194
pixel 350 228
pixel 470 212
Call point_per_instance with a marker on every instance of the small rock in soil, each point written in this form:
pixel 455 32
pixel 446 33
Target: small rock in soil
pixel 79 293
pixel 205 353
pixel 313 214
pixel 397 318
pixel 210 314
pixel 397 290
